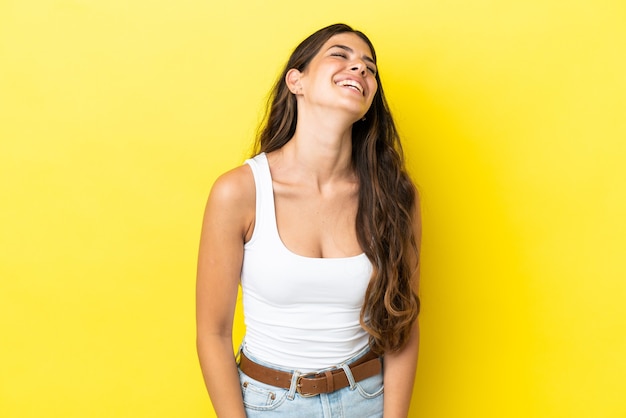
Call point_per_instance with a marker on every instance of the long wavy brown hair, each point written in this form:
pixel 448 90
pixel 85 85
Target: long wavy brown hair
pixel 387 198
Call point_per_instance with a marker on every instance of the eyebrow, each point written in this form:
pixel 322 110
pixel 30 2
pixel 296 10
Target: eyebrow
pixel 347 48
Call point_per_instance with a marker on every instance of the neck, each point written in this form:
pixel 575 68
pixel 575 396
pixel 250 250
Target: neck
pixel 321 148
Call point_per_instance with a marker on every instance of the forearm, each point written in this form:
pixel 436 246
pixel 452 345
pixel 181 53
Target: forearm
pixel 220 375
pixel 399 375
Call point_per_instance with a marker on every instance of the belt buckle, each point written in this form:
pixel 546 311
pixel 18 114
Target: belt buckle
pixel 299 386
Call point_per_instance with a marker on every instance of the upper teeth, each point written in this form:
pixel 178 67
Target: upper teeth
pixel 351 83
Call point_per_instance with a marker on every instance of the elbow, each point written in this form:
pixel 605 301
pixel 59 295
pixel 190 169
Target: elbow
pixel 207 340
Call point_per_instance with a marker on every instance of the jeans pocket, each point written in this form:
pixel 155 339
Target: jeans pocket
pixel 260 396
pixel 371 387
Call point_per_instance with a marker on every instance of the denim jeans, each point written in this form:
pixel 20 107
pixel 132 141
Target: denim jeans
pixel 362 399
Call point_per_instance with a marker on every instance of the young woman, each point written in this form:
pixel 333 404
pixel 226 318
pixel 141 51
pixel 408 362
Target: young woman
pixel 322 230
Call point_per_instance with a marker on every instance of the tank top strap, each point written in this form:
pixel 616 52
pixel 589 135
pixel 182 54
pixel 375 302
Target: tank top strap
pixel 265 215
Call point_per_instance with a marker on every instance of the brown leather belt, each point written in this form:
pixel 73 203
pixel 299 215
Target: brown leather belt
pixel 313 383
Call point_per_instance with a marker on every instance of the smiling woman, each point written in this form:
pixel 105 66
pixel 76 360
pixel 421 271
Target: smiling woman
pixel 346 60
pixel 322 229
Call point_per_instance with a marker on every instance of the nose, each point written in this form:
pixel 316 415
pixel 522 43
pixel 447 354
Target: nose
pixel 359 66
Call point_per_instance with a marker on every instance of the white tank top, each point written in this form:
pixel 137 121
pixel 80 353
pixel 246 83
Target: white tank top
pixel 300 312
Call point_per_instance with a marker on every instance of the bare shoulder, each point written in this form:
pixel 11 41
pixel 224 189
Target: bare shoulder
pixel 232 199
pixel 234 187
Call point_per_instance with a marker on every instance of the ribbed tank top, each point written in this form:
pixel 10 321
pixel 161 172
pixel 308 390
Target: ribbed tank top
pixel 300 312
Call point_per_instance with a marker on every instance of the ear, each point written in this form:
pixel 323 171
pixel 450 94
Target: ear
pixel 293 81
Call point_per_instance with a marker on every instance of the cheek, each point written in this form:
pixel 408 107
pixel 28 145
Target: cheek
pixel 374 89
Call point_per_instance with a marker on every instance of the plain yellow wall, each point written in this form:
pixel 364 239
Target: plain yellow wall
pixel 116 116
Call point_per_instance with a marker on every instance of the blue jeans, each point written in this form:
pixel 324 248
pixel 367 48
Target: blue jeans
pixel 362 399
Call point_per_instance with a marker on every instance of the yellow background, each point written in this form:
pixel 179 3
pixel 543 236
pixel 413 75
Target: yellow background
pixel 116 116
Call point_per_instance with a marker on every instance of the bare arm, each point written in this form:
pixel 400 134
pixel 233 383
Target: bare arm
pixel 399 367
pixel 227 220
pixel 399 374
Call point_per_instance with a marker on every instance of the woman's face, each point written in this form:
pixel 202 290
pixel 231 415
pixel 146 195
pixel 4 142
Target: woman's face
pixel 340 76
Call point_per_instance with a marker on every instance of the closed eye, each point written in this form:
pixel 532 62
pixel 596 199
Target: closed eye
pixel 342 52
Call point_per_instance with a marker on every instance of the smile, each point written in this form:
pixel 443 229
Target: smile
pixel 351 84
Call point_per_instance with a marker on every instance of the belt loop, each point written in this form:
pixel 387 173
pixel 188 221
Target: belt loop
pixel 294 385
pixel 346 368
pixel 330 381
